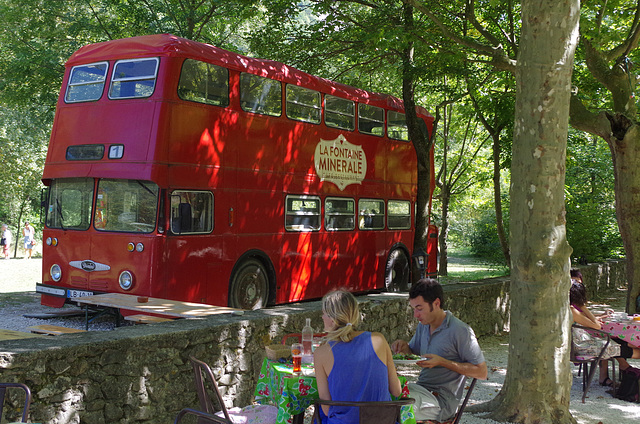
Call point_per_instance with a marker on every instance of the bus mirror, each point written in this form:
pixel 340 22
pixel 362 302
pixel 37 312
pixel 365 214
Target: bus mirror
pixel 419 258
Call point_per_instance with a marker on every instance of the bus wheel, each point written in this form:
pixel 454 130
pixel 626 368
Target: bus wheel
pixel 249 286
pixel 397 273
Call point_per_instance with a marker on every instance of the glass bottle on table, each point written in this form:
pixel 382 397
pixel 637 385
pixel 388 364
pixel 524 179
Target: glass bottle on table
pixel 307 342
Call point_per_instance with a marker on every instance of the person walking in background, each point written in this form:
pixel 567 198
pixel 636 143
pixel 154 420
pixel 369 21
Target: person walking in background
pixel 29 237
pixel 5 242
pixel 351 365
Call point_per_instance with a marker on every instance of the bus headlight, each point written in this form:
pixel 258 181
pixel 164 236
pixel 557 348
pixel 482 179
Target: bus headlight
pixel 55 272
pixel 125 280
pixel 52 241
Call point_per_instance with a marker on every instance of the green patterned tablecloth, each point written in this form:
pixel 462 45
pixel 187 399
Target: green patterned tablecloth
pixel 294 393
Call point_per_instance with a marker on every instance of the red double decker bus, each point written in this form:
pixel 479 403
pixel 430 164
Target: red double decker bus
pixel 183 171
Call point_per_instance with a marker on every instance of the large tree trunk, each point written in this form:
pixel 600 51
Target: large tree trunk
pixel 626 157
pixel 538 382
pixel 421 142
pixel 622 135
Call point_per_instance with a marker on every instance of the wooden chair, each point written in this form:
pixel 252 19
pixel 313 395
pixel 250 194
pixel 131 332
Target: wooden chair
pixel 204 374
pixel 456 418
pixel 369 412
pixel 298 337
pixel 589 363
pixel 27 400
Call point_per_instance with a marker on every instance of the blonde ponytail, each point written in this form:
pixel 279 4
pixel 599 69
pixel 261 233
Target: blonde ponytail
pixel 342 307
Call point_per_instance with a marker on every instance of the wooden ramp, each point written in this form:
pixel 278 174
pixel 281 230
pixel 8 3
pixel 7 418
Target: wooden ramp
pixel 146 319
pixel 15 335
pixel 53 330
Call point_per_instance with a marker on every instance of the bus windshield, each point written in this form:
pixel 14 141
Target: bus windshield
pixel 70 203
pixel 126 206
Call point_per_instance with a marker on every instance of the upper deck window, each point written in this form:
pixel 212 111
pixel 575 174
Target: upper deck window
pixel 397 126
pixel 303 104
pixel 204 83
pixel 133 78
pixel 260 95
pixel 86 82
pixel 339 113
pixel 370 119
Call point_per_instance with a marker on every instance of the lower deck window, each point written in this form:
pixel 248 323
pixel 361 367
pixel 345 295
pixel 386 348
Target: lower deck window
pixel 399 215
pixel 339 214
pixel 371 214
pixel 302 213
pixel 191 212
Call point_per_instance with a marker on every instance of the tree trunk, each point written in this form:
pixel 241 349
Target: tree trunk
pixel 445 198
pixel 625 152
pixel 497 198
pixel 421 141
pixel 538 381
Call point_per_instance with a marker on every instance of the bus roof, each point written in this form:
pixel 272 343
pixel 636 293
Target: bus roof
pixel 171 45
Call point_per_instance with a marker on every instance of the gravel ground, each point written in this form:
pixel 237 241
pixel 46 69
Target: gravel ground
pixel 18 278
pixel 17 297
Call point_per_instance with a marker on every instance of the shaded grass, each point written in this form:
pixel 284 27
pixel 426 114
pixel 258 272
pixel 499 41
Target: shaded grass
pixel 462 267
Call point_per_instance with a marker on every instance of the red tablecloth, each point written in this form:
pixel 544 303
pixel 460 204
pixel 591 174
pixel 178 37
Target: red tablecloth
pixel 626 330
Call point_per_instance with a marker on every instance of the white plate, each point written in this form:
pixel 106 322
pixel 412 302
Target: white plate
pixel 406 361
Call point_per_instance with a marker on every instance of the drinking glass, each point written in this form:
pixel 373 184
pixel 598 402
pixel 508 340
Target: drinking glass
pixel 296 353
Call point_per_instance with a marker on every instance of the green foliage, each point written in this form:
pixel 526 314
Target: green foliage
pixel 592 228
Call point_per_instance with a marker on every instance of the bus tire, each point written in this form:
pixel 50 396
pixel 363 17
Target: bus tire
pixel 249 287
pixel 397 274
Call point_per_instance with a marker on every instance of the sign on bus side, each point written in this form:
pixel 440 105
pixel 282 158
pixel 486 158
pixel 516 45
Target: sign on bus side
pixel 340 162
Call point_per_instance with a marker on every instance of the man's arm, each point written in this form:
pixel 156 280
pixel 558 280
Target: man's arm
pixel 465 368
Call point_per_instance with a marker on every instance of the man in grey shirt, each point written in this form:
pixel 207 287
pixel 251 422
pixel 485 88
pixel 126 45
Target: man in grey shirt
pixel 450 351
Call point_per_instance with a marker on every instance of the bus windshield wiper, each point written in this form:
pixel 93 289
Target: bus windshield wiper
pixel 145 187
pixel 59 209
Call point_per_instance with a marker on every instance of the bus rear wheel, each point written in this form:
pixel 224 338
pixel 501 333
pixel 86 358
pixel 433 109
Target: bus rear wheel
pixel 249 286
pixel 397 272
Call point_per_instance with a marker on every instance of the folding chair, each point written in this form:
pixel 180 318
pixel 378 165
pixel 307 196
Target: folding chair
pixel 456 418
pixel 369 412
pixel 27 400
pixel 203 373
pixel 590 362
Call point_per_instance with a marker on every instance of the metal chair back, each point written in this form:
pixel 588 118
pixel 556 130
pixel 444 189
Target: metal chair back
pixel 27 401
pixel 203 373
pixel 590 363
pixel 369 412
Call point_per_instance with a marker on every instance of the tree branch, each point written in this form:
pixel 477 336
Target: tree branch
pixel 499 59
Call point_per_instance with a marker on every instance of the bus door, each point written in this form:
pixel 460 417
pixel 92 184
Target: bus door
pixel 338 260
pixel 371 243
pixel 302 276
pixel 193 253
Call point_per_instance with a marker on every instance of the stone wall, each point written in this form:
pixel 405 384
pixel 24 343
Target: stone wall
pixel 142 374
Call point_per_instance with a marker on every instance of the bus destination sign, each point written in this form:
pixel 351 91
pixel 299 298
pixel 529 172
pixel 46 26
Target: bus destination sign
pixel 340 162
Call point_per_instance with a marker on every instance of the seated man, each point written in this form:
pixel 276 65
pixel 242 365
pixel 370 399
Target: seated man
pixel 450 349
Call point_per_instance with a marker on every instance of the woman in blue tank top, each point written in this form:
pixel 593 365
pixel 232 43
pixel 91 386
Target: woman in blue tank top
pixel 351 365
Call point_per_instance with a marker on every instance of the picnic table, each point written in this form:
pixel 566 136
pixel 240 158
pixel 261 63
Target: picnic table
pixel 294 393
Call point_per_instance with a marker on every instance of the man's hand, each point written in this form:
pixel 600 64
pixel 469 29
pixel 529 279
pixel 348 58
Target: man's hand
pixel 430 361
pixel 401 346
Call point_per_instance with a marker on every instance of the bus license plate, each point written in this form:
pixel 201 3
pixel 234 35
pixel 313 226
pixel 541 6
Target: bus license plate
pixel 78 293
